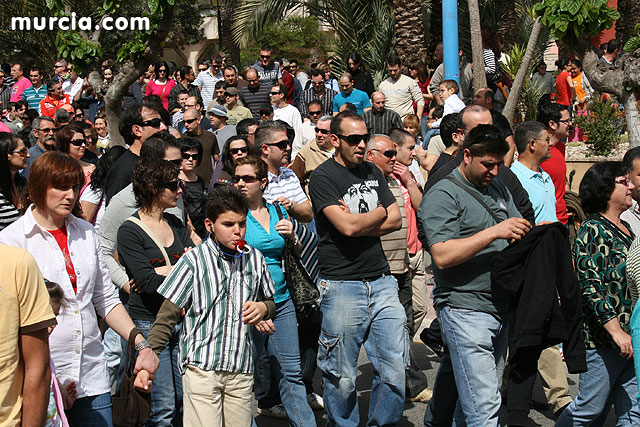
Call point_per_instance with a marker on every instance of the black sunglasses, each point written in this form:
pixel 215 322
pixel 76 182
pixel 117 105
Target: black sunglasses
pixel 315 112
pixel 78 142
pixel 187 156
pixel 248 179
pixel 171 186
pixel 154 123
pixel 280 144
pixel 354 139
pixel 177 162
pixel 323 131
pixel 238 150
pixel 202 69
pixel 390 154
pixel 189 121
pixel 274 93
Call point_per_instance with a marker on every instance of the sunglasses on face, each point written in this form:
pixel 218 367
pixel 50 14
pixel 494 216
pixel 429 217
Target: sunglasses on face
pixel 274 93
pixel 265 56
pixel 22 152
pixel 354 139
pixel 154 123
pixel 282 145
pixel 176 162
pixel 187 156
pixel 78 142
pixel 50 130
pixel 189 121
pixel 171 186
pixel 238 150
pixel 248 179
pixel 162 71
pixel 202 69
pixel 315 113
pixel 390 154
pixel 252 81
pixel 323 131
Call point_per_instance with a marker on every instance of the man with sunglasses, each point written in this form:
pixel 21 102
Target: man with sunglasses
pixel 42 138
pixel 353 207
pixel 308 128
pixel 207 79
pixel 235 112
pixel 316 152
pixel 72 85
pixel 268 70
pixel 557 119
pixel 136 125
pixel 219 127
pixel 286 112
pixel 37 91
pixel 210 148
pixel 463 236
pixel 317 92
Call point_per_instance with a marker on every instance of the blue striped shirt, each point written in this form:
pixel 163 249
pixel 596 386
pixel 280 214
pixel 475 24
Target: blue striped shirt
pixel 33 96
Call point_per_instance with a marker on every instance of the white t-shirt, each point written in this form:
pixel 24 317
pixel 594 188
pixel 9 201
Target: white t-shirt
pixel 96 197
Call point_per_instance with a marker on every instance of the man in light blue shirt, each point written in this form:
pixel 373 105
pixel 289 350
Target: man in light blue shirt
pixel 532 141
pixel 351 95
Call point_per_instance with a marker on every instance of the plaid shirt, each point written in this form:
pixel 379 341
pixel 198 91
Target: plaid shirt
pixel 310 95
pixel 213 290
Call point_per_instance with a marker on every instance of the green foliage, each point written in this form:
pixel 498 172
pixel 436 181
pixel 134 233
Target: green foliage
pixel 571 19
pixel 602 126
pixel 634 42
pixel 528 101
pixel 293 38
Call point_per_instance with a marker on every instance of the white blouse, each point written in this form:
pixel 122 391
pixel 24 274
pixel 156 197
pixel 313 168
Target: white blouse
pixel 75 344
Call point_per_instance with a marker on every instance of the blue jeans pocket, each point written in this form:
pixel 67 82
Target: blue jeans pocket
pixel 329 360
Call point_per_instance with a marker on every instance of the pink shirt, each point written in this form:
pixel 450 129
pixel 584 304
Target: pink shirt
pixel 18 88
pixel 162 91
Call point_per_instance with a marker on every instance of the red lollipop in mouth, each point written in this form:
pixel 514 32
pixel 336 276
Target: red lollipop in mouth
pixel 240 244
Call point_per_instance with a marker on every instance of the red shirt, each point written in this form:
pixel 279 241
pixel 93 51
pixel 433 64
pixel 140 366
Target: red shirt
pixel 556 167
pixel 49 105
pixel 562 88
pixel 289 84
pixel 61 238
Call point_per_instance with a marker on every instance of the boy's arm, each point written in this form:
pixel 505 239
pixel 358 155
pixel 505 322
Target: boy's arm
pixel 167 318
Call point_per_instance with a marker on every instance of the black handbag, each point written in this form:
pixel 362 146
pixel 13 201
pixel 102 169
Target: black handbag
pixel 131 407
pixel 302 288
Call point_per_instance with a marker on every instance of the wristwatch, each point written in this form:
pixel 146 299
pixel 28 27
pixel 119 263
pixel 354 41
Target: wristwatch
pixel 142 345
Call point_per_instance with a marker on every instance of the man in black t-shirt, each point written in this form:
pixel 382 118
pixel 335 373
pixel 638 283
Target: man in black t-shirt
pixel 353 206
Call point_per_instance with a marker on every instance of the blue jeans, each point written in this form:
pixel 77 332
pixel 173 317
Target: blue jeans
pixel 355 313
pixel 113 352
pixel 477 345
pixel 92 411
pixel 426 139
pixel 284 358
pixel 609 377
pixel 166 393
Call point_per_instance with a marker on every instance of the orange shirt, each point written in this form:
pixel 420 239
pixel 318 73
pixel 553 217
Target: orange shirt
pixel 48 105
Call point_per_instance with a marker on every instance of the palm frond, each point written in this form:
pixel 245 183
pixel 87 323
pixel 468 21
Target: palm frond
pixel 251 16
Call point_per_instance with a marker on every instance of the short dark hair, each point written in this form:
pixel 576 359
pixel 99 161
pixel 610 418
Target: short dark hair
pixel 148 179
pixel 190 144
pixel 51 83
pixel 629 157
pixel 336 123
pixel 314 102
pixel 597 185
pixel 316 72
pixel 399 136
pixel 155 147
pixel 551 112
pixel 265 47
pixel 448 126
pixel 348 106
pixel 438 111
pixel 242 128
pixel 220 84
pixel 485 140
pixel 184 71
pixel 613 45
pixel 226 198
pixel 393 59
pixel 133 116
pixel 264 132
pixel 525 132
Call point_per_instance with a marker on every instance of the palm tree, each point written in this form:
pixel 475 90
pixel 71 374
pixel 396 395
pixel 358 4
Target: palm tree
pixel 410 43
pixel 629 17
pixel 479 77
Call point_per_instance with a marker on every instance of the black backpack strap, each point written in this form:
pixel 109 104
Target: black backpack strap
pixel 475 196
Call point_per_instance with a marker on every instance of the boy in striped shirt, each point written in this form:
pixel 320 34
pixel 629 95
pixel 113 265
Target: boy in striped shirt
pixel 217 285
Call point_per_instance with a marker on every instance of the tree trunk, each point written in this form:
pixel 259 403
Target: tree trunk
pixel 230 47
pixel 629 17
pixel 409 30
pixel 510 108
pixel 479 77
pixel 632 115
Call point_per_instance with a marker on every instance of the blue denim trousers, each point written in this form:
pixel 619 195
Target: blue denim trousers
pixel 355 313
pixel 477 345
pixel 609 378
pixel 91 411
pixel 166 393
pixel 284 358
pixel 113 352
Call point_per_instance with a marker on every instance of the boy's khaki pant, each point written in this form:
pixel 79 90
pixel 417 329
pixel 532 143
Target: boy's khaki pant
pixel 217 398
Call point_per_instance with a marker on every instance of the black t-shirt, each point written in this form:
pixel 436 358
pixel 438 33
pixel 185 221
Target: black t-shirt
pixel 442 160
pixel 139 255
pixel 120 174
pixel 362 188
pixel 195 201
pixel 501 123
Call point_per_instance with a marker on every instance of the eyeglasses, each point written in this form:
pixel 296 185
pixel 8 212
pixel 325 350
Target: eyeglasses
pixel 282 145
pixel 317 83
pixel 78 142
pixel 80 115
pixel 390 154
pixel 23 151
pixel 154 123
pixel 315 113
pixel 323 131
pixel 623 181
pixel 215 65
pixel 569 120
pixel 238 150
pixel 189 121
pixel 171 186
pixel 248 179
pixel 187 156
pixel 50 130
pixel 58 66
pixel 253 81
pixel 354 139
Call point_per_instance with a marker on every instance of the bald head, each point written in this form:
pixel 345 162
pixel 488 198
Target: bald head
pixel 192 102
pixel 191 114
pixel 484 97
pixel 381 151
pixel 472 116
pixel 378 101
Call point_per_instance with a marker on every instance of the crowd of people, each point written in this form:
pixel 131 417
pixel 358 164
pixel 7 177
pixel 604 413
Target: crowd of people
pixel 234 188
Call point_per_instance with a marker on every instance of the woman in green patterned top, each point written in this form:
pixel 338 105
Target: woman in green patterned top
pixel 602 242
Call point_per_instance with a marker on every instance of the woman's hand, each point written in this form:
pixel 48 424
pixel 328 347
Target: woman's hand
pixel 285 227
pixel 620 337
pixel 69 394
pixel 266 327
pixel 253 312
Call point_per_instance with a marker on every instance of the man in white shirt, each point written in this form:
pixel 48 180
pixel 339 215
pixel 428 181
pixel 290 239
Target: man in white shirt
pixel 400 90
pixel 207 80
pixel 286 112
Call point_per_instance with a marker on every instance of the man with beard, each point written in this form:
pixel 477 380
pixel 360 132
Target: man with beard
pixel 43 138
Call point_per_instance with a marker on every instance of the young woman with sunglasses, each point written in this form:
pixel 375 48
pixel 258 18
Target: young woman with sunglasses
pixel 13 187
pixel 156 187
pixel 234 148
pixel 195 198
pixel 71 140
pixel 162 84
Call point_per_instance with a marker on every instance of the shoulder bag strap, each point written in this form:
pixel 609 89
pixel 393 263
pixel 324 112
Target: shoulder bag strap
pixel 475 196
pixel 153 237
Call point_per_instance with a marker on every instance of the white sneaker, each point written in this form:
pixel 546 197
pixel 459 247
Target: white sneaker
pixel 276 411
pixel 315 401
